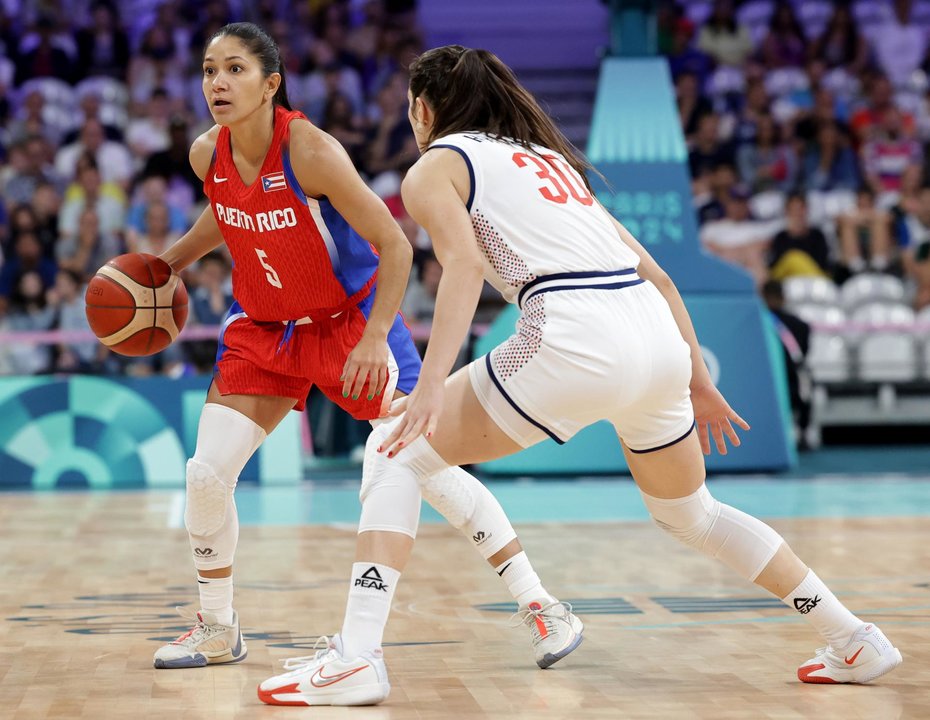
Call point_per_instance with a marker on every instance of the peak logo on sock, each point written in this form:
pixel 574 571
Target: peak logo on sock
pixel 480 536
pixel 371 578
pixel 805 605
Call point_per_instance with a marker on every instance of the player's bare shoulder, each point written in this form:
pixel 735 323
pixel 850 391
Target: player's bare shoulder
pixel 437 165
pixel 201 153
pixel 316 156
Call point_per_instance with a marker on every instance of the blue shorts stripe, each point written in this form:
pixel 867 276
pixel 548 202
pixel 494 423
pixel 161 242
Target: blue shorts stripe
pixel 572 276
pixel 666 445
pixel 402 347
pixel 500 388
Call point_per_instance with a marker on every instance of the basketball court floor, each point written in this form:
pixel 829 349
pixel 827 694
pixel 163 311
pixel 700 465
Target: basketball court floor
pixel 89 582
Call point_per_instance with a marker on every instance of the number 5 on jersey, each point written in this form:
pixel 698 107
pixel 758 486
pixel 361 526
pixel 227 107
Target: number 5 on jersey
pixel 270 275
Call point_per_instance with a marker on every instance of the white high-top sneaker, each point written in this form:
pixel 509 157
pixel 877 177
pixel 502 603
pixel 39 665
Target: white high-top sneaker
pixel 327 678
pixel 868 656
pixel 556 630
pixel 206 643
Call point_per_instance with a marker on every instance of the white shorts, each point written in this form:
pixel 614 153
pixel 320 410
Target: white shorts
pixel 589 347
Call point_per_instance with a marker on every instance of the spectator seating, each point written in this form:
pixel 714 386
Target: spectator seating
pixel 871 288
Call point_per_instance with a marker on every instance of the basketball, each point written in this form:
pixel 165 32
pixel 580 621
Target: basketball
pixel 136 304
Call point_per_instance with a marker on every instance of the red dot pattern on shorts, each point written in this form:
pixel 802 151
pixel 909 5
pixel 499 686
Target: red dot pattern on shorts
pixel 506 263
pixel 521 347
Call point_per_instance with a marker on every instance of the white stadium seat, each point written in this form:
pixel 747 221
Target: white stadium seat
pixel 810 290
pixel 888 357
pixel 828 358
pixel 821 316
pixel 895 315
pixel 870 288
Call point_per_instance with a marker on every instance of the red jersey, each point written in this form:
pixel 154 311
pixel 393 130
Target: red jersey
pixel 293 256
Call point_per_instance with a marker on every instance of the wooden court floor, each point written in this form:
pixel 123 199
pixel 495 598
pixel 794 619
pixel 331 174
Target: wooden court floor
pixel 88 582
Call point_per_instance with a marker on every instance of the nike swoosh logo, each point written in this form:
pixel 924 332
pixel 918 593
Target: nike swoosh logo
pixel 333 679
pixel 850 661
pixel 219 179
pixel 501 573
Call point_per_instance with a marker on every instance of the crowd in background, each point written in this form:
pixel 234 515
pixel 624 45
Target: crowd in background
pixel 807 124
pixel 99 104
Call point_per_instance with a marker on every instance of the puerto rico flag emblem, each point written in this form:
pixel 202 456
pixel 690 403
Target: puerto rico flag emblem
pixel 273 182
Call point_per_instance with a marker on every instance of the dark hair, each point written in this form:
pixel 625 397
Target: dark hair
pixel 796 196
pixel 773 292
pixel 473 90
pixel 262 46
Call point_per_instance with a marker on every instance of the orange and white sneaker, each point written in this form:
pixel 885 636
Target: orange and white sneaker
pixel 867 656
pixel 327 678
pixel 556 630
pixel 206 643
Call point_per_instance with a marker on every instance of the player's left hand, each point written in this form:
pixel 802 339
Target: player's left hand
pixel 712 412
pixel 368 362
pixel 420 412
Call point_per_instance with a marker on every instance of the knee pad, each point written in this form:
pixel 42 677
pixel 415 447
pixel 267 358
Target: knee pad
pixel 226 440
pixel 742 542
pixel 469 507
pixel 210 517
pixel 207 497
pixel 390 494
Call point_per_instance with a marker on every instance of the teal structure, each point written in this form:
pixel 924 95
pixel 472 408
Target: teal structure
pixel 110 433
pixel 637 144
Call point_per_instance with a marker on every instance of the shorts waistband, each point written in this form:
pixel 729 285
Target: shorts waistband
pixel 604 280
pixel 306 320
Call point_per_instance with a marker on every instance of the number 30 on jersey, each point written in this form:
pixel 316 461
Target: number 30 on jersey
pixel 565 181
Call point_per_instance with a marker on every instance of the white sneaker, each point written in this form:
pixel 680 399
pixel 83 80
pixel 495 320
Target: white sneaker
pixel 327 678
pixel 556 631
pixel 868 656
pixel 206 643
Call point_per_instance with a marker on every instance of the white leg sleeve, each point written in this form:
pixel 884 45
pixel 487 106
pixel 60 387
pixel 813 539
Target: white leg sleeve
pixel 390 494
pixel 741 542
pixel 467 504
pixel 226 440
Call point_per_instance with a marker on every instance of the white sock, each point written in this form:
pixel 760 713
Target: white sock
pixel 371 589
pixel 823 610
pixel 522 581
pixel 216 596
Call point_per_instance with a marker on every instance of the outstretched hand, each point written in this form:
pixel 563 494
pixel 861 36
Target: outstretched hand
pixel 421 410
pixel 713 413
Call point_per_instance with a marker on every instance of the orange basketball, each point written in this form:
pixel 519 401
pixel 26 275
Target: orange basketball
pixel 136 304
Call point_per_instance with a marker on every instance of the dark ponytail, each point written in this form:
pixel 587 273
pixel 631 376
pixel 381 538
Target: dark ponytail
pixel 473 90
pixel 262 46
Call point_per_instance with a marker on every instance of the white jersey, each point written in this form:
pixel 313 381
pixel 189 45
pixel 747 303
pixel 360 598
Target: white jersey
pixel 533 215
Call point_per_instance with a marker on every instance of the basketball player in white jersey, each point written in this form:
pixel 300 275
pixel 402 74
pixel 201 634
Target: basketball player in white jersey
pixel 603 335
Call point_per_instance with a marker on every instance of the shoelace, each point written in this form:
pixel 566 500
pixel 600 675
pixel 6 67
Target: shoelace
pixel 199 626
pixel 298 663
pixel 528 616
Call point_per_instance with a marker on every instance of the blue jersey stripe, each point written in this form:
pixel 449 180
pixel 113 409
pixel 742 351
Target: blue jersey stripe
pixel 355 262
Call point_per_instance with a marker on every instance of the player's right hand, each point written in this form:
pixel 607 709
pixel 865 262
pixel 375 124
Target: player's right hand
pixel 367 363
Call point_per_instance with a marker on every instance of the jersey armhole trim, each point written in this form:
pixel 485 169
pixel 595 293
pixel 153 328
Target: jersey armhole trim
pixel 291 177
pixel 471 171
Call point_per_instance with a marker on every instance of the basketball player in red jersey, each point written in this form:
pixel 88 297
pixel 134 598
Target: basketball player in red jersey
pixel 300 225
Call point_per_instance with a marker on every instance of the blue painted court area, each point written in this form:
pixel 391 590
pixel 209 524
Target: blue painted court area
pixel 604 500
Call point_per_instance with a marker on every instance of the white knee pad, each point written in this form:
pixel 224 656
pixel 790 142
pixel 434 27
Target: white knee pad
pixel 740 541
pixel 469 507
pixel 226 440
pixel 390 494
pixel 463 501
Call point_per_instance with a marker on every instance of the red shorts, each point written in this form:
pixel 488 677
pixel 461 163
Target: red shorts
pixel 253 359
